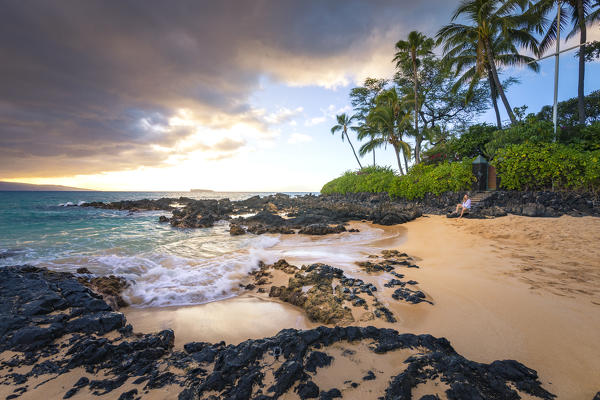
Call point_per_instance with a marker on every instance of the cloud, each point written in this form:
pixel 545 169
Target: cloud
pixel 282 115
pixel 296 138
pixel 314 121
pixel 328 113
pixel 97 85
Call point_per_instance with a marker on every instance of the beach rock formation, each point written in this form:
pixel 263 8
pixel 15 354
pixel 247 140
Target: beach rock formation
pixel 52 325
pixel 310 214
pixel 334 210
pixel 321 229
pixel 137 205
pixel 109 287
pixel 236 230
pixel 329 296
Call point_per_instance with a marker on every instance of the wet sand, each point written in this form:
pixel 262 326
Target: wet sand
pixel 233 320
pixel 511 288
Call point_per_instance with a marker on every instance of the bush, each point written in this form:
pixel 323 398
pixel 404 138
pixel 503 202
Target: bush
pixel 531 130
pixel 568 114
pixel 435 179
pixel 367 180
pixel 469 143
pixel 531 166
pixel 587 138
pixel 421 180
pixel 486 140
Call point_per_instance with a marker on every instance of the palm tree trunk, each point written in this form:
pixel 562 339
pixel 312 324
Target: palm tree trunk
pixel 582 39
pixel 416 83
pixel 353 151
pixel 397 151
pixel 405 161
pixel 418 141
pixel 373 157
pixel 494 71
pixel 494 94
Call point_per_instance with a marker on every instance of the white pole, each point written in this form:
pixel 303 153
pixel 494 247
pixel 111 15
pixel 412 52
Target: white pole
pixel 556 63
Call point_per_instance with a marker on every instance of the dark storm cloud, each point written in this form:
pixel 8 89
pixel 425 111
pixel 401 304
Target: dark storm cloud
pixel 88 86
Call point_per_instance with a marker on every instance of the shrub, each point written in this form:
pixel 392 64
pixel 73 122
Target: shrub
pixel 421 180
pixel 469 143
pixel 531 166
pixel 367 180
pixel 435 179
pixel 586 137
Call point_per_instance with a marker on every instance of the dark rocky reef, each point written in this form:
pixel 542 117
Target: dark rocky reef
pixel 53 324
pixel 309 214
pixel 500 202
pixel 544 204
pixel 329 296
pixel 110 287
pixel 51 316
pixel 164 203
pixel 318 215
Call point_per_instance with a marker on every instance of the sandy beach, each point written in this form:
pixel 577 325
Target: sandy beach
pixel 508 288
pixel 511 288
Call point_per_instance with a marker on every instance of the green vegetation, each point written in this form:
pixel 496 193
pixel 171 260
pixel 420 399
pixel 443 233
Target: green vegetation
pixel 421 179
pixel 425 113
pixel 367 180
pixel 525 155
pixel 530 166
pixel 434 179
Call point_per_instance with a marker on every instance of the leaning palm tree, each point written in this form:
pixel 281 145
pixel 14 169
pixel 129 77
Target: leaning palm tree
pixel 488 20
pixel 463 58
pixel 368 132
pixel 343 123
pixel 408 58
pixel 388 121
pixel 579 14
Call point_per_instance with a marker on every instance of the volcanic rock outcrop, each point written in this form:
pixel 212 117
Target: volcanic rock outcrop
pixel 52 326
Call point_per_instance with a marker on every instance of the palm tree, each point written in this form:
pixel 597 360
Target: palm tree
pixel 579 13
pixel 463 57
pixel 363 100
pixel 408 58
pixel 368 132
pixel 490 20
pixel 388 120
pixel 343 123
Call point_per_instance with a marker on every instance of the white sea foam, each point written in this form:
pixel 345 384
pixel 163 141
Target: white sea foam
pixel 168 280
pixel 71 204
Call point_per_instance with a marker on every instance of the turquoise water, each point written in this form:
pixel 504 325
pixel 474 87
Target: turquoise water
pixel 169 266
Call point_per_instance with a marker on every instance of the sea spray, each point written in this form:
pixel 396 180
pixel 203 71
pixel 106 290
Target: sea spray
pixel 169 280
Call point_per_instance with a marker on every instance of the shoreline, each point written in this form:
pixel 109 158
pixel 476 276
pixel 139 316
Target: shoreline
pixel 484 301
pixel 477 273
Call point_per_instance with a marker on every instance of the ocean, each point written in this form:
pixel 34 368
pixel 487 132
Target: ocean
pixel 169 266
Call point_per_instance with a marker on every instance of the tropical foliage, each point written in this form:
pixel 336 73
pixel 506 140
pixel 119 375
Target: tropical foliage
pixel 425 113
pixel 420 181
pixel 530 166
pixel 343 124
pixel 367 180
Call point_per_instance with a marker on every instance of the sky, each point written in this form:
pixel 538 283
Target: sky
pixel 228 95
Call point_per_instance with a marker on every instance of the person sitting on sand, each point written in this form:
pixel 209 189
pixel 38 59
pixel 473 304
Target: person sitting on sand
pixel 466 205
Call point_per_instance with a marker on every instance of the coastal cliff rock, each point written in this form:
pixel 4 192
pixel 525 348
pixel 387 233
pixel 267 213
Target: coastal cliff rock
pixel 52 326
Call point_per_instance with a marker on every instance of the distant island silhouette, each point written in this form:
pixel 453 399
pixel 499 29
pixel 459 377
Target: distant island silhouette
pixel 29 187
pixel 201 190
